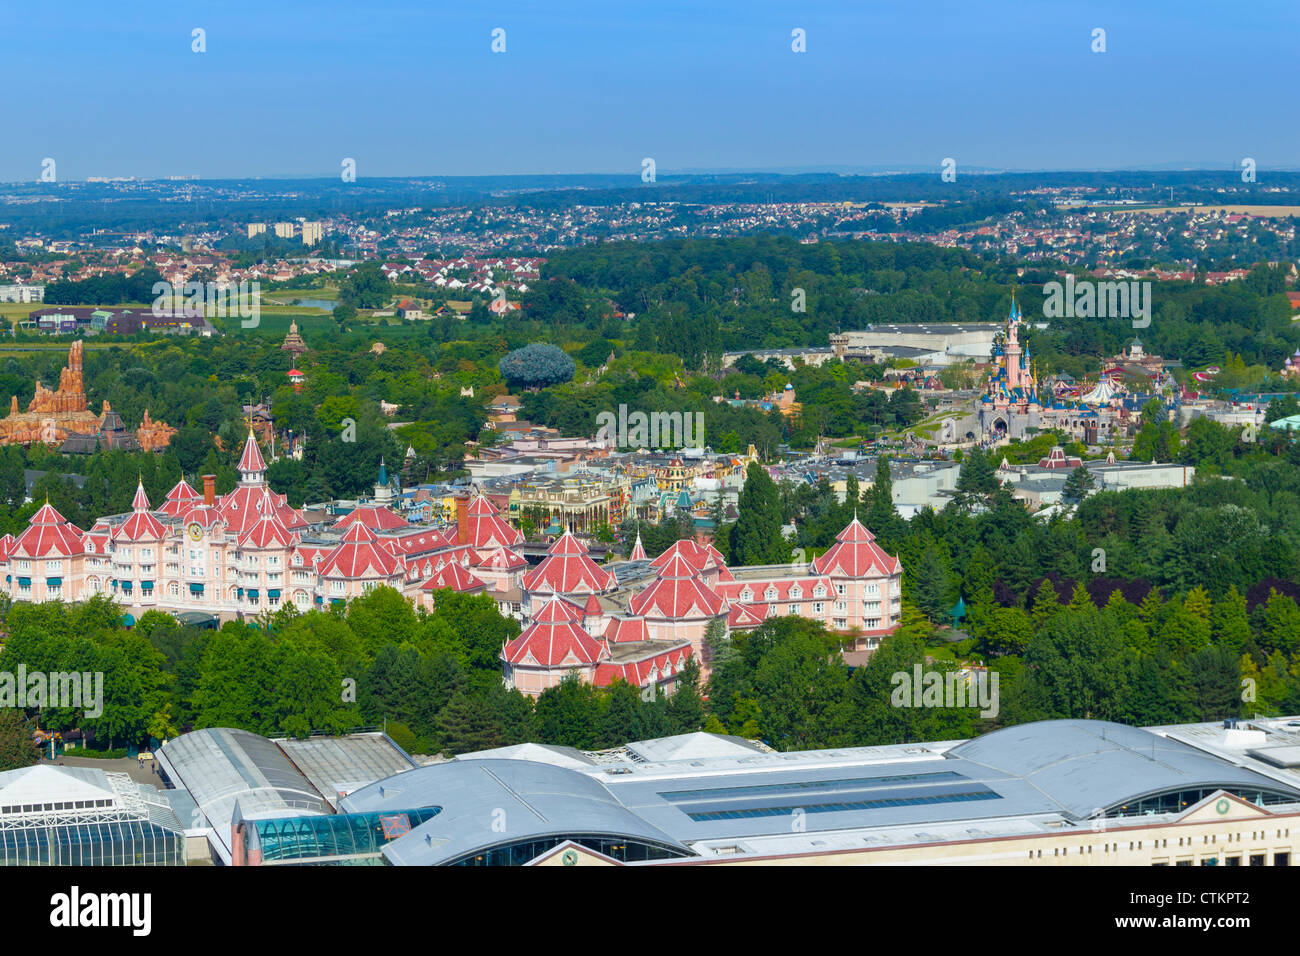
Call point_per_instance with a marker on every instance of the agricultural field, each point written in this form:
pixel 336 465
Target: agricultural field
pixel 1264 212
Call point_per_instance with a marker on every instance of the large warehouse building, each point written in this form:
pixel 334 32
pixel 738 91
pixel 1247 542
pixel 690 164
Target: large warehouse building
pixel 1059 792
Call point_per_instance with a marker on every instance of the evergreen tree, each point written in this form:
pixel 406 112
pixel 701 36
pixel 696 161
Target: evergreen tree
pixel 1080 599
pixel 1002 630
pixel 1281 630
pixel 514 714
pixel 883 694
pixel 1229 624
pixel 568 714
pixel 1046 603
pixel 1078 484
pixel 1214 684
pixel 977 582
pixel 685 706
pixel 1158 693
pixel 977 480
pixel 1078 666
pixel 17 749
pixel 932 589
pixel 882 518
pixel 756 536
pixel 621 719
pixel 466 725
pixel 798 680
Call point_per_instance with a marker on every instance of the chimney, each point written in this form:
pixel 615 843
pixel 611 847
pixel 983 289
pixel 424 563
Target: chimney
pixel 462 521
pixel 209 490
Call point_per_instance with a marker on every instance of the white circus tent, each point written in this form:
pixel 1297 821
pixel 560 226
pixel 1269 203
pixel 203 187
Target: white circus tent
pixel 1100 395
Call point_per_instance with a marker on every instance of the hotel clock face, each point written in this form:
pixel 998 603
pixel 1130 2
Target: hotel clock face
pixel 195 531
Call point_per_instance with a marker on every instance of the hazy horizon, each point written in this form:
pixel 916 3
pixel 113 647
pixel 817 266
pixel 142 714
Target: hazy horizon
pixel 405 87
pixel 846 172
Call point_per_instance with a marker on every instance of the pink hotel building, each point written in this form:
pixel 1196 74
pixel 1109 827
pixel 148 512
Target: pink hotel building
pixel 248 551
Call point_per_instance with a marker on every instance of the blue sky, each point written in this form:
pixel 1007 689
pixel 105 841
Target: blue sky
pixel 290 88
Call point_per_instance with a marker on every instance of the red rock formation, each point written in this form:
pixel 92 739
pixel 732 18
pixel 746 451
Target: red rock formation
pixel 153 436
pixel 71 396
pixel 52 416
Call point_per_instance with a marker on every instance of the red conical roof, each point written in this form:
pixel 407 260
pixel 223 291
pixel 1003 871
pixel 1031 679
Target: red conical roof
pixel 699 556
pixel 856 554
pixel 567 543
pixel 487 529
pixel 180 499
pixel 268 533
pixel 49 532
pixel 46 514
pixel 140 526
pixel 251 460
pixel 182 491
pixel 373 516
pixel 569 572
pixel 452 575
pixel 556 609
pixel 626 630
pixel 678 594
pixel 677 567
pixel 503 559
pixel 360 554
pixel 553 639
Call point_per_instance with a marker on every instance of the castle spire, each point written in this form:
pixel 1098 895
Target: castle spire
pixel 383 487
pixel 252 466
pixel 141 501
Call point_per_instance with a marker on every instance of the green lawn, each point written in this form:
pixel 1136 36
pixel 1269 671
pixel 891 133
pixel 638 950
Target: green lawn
pixel 277 322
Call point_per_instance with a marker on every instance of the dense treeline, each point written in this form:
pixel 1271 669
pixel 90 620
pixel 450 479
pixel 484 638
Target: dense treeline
pixel 696 298
pixel 432 680
pixel 105 289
